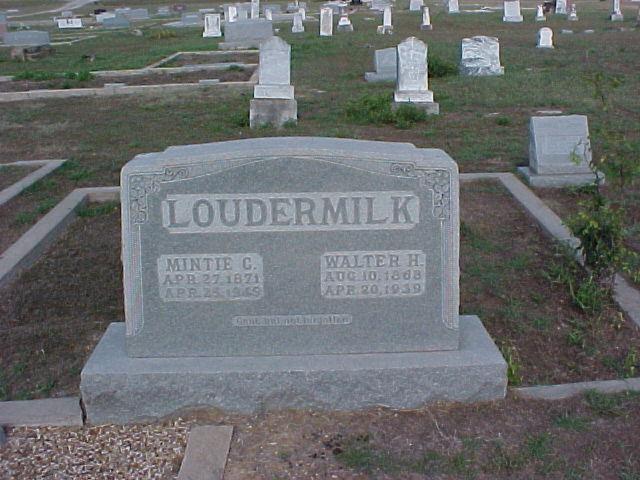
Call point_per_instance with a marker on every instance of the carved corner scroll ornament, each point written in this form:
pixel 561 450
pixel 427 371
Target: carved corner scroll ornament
pixel 140 186
pixel 435 179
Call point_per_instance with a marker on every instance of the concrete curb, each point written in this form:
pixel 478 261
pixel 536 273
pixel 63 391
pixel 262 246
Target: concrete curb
pixel 206 454
pixel 47 167
pixel 26 250
pixel 115 90
pixel 568 390
pixel 63 412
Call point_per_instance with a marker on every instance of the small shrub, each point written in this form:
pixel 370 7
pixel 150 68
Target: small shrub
pixel 84 76
pixel 599 227
pixel 440 68
pixel 408 115
pixel 240 119
pixel 503 121
pixel 235 68
pixel 98 210
pixel 510 355
pixel 35 76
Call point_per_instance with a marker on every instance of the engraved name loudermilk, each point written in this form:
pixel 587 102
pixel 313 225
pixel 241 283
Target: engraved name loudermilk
pixel 199 213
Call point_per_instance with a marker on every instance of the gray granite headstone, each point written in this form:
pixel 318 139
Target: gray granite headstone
pixel 116 22
pixel 559 151
pixel 191 19
pixel 27 38
pixel 386 64
pixel 274 247
pixel 480 57
pixel 137 14
pixel 247 33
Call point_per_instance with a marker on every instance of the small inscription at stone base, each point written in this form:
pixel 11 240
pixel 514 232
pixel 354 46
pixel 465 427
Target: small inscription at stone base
pixel 291 320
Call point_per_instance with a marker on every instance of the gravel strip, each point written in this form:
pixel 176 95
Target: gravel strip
pixel 105 452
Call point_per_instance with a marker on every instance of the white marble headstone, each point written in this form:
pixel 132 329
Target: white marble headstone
pixel 426 19
pixel 512 11
pixel 212 25
pixel 274 70
pixel 540 14
pixel 412 81
pixel 616 12
pixel 232 14
pixel 255 9
pixel 573 14
pixel 387 26
pixel 453 7
pixel 298 26
pixel 480 57
pixel 561 7
pixel 326 22
pixel 545 38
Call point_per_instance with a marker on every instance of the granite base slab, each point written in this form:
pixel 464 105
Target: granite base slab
pixel 272 111
pixel 119 389
pixel 380 77
pixel 556 180
pixel 430 108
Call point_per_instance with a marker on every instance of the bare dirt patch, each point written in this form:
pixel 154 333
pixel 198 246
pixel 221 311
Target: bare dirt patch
pixel 52 317
pixel 507 279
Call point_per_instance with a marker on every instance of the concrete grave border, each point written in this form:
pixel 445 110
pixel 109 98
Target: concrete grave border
pixel 47 167
pixel 28 248
pixel 24 252
pixel 154 68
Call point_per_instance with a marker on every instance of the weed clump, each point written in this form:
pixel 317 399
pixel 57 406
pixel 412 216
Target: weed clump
pixel 376 110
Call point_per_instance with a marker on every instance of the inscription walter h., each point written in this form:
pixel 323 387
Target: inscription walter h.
pixel 279 212
pixel 397 273
pixel 210 278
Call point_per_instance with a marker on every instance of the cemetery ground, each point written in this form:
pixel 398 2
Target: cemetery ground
pixel 513 277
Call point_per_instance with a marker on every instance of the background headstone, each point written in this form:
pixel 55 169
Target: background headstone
pixel 298 26
pixel 512 13
pixel 387 26
pixel 415 5
pixel 65 23
pixel 561 7
pixel 386 65
pixel 480 57
pixel 412 84
pixel 426 19
pixel 559 151
pixel 540 17
pixel 326 22
pixel 247 33
pixel 545 38
pixel 453 7
pixel 212 25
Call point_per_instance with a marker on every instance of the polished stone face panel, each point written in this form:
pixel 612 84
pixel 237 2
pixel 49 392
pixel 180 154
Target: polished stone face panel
pixel 290 246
